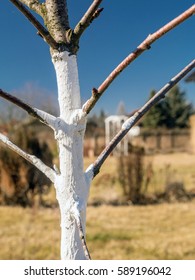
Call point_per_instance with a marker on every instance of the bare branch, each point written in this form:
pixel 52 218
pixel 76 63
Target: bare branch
pixel 41 29
pixel 92 13
pixel 30 158
pixel 145 45
pixel 20 104
pixel 137 116
pixel 45 118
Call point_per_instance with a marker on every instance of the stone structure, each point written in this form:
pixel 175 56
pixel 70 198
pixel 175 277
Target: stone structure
pixel 112 125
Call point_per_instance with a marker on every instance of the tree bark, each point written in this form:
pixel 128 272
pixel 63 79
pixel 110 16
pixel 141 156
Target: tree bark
pixel 56 19
pixel 71 184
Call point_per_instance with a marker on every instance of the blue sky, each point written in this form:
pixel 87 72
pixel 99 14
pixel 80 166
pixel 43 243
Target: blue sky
pixel 122 26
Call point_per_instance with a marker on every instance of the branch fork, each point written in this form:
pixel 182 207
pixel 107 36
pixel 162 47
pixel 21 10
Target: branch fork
pixel 41 29
pixel 92 13
pixel 67 39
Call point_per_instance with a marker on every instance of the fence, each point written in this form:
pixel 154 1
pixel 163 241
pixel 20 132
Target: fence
pixel 153 141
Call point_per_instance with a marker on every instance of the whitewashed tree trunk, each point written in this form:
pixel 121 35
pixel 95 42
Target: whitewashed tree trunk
pixel 71 182
pixel 71 185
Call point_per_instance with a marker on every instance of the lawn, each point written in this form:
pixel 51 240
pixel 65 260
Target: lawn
pixel 162 231
pixel 166 168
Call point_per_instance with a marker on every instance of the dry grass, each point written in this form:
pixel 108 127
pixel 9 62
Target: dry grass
pixel 163 231
pixel 168 167
pixel 181 168
pixel 147 232
pixel 29 233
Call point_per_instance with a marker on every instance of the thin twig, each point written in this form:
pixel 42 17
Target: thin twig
pixel 137 116
pixel 41 29
pixel 30 158
pixel 30 110
pixel 145 45
pixel 92 13
pixel 96 14
pixel 82 237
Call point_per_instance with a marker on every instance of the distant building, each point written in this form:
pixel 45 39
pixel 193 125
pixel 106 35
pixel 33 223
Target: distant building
pixel 113 125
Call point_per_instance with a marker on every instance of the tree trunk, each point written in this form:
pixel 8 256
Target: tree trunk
pixel 71 182
pixel 71 185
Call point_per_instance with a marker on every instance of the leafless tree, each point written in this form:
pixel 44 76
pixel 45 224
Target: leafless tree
pixel 71 182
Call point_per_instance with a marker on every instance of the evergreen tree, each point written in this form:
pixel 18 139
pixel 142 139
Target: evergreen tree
pixel 177 109
pixel 190 78
pixel 172 112
pixel 155 117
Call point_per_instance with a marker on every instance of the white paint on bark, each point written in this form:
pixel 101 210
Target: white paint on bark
pixel 71 185
pixel 128 123
pixel 67 81
pixel 89 174
pixel 48 118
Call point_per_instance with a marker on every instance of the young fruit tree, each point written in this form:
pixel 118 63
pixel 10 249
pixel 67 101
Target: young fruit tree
pixel 71 182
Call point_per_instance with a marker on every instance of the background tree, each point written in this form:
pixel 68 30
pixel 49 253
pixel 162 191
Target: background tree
pixel 177 109
pixel 156 116
pixel 191 77
pixel 172 112
pixel 71 182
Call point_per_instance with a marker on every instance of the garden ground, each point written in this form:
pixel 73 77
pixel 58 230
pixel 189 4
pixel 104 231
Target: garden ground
pixel 162 231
